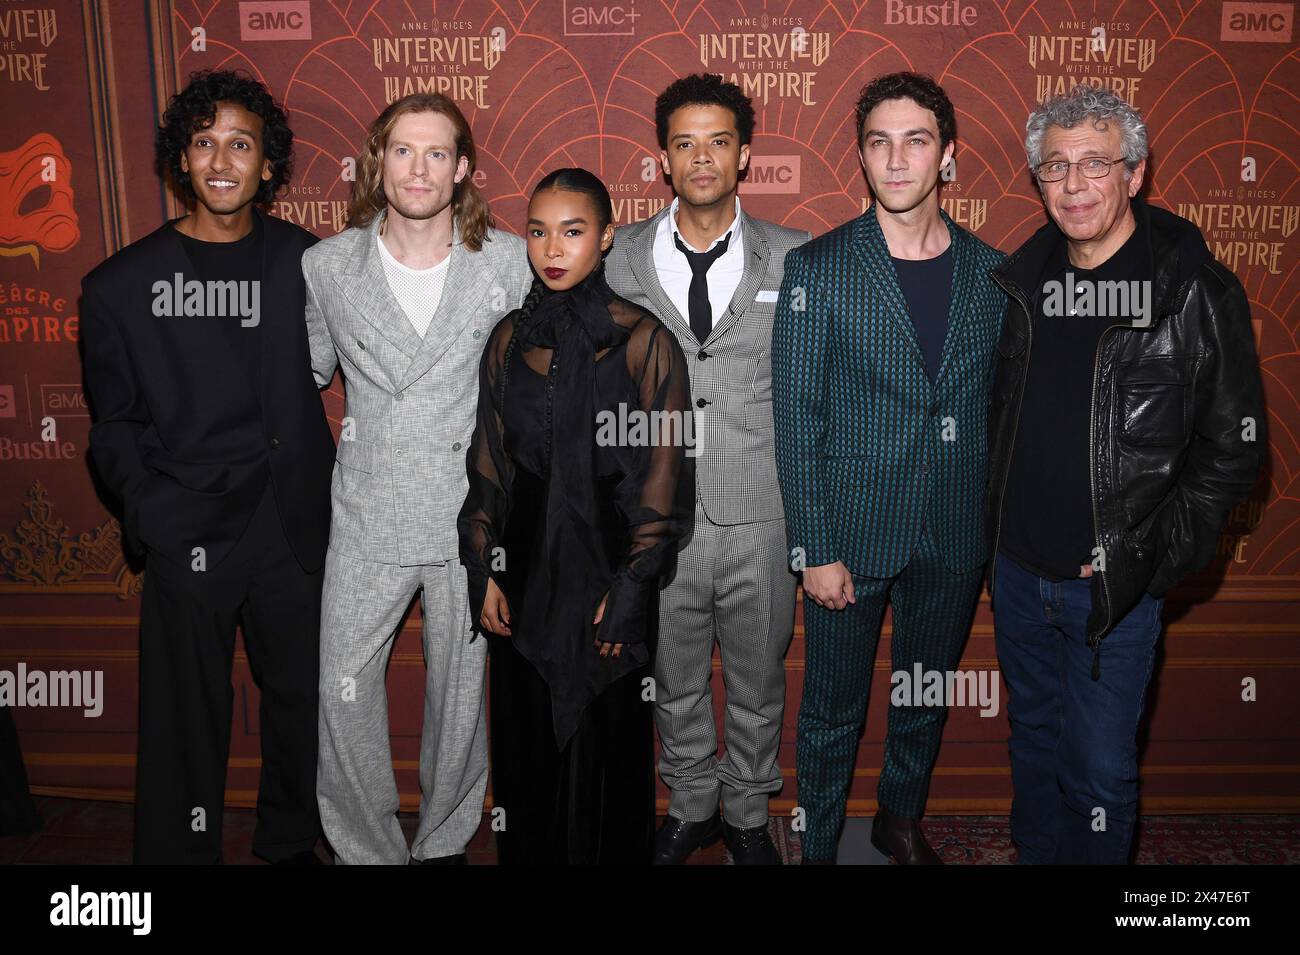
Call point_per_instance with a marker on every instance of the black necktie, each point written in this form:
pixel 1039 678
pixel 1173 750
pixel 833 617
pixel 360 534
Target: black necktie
pixel 697 299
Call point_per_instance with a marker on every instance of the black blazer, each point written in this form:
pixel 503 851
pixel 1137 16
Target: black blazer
pixel 180 430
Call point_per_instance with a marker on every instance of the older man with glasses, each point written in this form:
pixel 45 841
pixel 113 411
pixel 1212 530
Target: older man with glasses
pixel 1125 423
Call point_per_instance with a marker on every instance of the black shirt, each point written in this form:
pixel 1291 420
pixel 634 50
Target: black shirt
pixel 240 261
pixel 927 286
pixel 1047 520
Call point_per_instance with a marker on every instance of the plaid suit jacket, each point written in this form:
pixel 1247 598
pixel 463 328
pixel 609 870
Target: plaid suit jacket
pixel 731 372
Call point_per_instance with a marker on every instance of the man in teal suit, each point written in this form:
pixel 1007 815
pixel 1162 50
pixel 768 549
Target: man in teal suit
pixel 882 352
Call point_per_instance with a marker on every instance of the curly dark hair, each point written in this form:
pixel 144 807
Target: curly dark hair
pixel 917 87
pixel 195 108
pixel 704 89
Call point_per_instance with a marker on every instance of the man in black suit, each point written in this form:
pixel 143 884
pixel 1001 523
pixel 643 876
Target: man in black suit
pixel 209 426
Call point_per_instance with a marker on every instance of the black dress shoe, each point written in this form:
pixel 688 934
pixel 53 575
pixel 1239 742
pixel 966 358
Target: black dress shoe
pixel 459 858
pixel 901 839
pixel 677 839
pixel 750 846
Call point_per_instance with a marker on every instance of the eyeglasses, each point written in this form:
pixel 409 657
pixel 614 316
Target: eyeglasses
pixel 1058 169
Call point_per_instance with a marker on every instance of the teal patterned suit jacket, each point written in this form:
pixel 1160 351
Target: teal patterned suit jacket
pixel 868 449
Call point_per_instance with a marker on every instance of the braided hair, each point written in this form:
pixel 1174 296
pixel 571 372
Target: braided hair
pixel 524 318
pixel 574 180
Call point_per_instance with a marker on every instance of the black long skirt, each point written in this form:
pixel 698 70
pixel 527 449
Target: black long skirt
pixel 590 803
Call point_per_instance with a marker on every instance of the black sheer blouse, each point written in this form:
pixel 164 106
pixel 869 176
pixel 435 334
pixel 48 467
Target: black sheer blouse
pixel 580 484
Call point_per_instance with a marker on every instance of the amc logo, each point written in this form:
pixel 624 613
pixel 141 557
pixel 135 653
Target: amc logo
pixel 64 401
pixel 771 174
pixel 609 18
pixel 284 20
pixel 1257 22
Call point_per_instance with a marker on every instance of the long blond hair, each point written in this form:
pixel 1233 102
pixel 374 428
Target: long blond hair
pixel 468 207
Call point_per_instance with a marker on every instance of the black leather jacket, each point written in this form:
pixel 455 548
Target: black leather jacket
pixel 1171 450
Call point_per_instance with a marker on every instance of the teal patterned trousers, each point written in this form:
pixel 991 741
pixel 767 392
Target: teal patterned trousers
pixel 933 608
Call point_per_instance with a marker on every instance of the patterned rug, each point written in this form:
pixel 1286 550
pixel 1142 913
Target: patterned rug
pixel 1161 840
pixel 83 832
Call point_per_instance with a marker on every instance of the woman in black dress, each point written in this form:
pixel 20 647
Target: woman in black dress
pixel 580 495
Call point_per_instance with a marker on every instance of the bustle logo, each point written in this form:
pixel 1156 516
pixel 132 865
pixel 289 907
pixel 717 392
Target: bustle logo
pixel 952 13
pixel 771 175
pixel 600 19
pixel 275 20
pixel 1257 22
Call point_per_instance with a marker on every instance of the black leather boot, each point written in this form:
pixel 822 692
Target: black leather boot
pixel 901 839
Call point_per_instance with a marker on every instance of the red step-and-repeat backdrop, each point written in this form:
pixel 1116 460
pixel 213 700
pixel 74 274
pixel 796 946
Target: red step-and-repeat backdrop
pixel 572 83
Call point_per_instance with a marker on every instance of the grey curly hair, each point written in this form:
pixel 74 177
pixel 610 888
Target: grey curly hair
pixel 1088 102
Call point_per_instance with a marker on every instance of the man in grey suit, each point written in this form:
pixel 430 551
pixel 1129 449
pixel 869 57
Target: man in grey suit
pixel 404 301
pixel 711 274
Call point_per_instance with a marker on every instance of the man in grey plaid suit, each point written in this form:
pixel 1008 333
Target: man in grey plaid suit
pixel 404 302
pixel 711 274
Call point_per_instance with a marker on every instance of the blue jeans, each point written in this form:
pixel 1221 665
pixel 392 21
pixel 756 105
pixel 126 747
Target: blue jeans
pixel 1073 739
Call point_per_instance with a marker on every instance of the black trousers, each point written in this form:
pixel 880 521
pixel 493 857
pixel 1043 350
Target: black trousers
pixel 18 814
pixel 187 646
pixel 591 803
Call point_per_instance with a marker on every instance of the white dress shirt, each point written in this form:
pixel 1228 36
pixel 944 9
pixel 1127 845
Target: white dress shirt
pixel 675 271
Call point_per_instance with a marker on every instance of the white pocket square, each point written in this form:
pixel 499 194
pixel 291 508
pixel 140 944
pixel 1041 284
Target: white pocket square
pixel 766 295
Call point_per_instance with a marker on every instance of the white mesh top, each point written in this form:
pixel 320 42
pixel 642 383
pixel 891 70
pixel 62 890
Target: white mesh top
pixel 418 291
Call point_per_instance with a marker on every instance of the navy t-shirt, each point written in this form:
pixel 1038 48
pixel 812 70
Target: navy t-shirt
pixel 927 286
